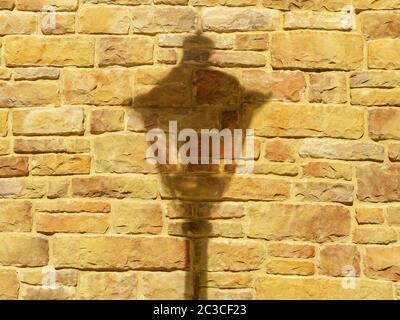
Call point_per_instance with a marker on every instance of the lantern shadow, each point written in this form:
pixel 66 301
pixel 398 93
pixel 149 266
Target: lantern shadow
pixel 197 96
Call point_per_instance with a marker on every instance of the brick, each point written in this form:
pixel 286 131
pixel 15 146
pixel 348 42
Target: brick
pixel 115 187
pixel 48 121
pixel 125 2
pixel 64 24
pixel 54 51
pixel 375 79
pixel 51 145
pixel 280 169
pixel 35 277
pixel 226 229
pixel 374 235
pixel 382 262
pixel 153 20
pixel 15 216
pixel 317 223
pixel 275 85
pixel 9 285
pixel 131 217
pixel 320 289
pixel 230 3
pixel 378 183
pixel 366 215
pixel 376 4
pixel 14 166
pixel 383 124
pixel 22 188
pixel 75 223
pixel 204 210
pixel 103 19
pixel 36 74
pixel 297 49
pixel 119 252
pixel 331 170
pixel 106 120
pixel 281 150
pixel 59 165
pixel 235 19
pixel 23 250
pixel 336 259
pixel 393 216
pixel 222 188
pixel 37 5
pixel 3 122
pixel 207 41
pixel 290 267
pixel 24 93
pixel 226 280
pixel 58 188
pixel 7 4
pixel 230 59
pixel 252 41
pixel 119 153
pixel 222 294
pixel 380 24
pixel 128 52
pixel 375 97
pixel 229 255
pixel 384 54
pixel 5 74
pixel 73 207
pixel 45 293
pixel 100 87
pixel 5 147
pixel 17 23
pixel 324 191
pixel 212 87
pixel 167 56
pixel 341 150
pixel 171 286
pixel 318 20
pixel 328 87
pixel 293 120
pixel 287 250
pixel 108 286
pixel 331 5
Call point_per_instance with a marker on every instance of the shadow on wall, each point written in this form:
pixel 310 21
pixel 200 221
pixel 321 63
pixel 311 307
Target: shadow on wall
pixel 196 96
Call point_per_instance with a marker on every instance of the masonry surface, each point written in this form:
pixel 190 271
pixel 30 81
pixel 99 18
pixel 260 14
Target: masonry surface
pixel 318 81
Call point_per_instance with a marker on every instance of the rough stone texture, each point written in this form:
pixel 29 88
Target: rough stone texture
pixel 15 216
pixel 384 54
pixel 303 222
pixel 9 284
pixel 341 150
pixel 287 120
pixel 45 51
pixel 108 286
pixel 120 253
pixel 323 50
pixel 23 250
pixel 335 259
pixel 382 262
pixel 378 183
pixel 268 288
pixel 48 121
pixel 82 87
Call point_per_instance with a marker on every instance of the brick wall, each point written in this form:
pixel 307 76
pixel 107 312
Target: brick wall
pixel 82 81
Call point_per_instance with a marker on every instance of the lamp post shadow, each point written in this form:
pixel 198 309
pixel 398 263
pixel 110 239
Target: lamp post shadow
pixel 196 96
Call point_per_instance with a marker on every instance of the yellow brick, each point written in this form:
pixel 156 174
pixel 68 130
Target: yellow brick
pixel 103 19
pixel 48 51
